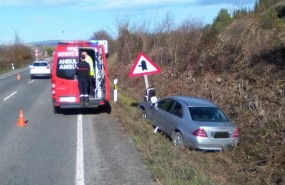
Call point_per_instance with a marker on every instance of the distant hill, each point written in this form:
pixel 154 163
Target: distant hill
pixel 44 43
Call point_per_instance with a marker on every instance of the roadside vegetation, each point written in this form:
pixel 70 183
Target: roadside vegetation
pixel 167 163
pixel 18 54
pixel 237 62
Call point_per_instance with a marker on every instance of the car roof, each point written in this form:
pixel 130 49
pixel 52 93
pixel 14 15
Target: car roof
pixel 192 101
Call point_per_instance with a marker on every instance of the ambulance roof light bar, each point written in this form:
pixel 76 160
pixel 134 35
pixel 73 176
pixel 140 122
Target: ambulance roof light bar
pixel 72 41
pixel 79 41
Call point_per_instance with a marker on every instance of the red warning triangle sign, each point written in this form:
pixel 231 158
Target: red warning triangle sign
pixel 144 66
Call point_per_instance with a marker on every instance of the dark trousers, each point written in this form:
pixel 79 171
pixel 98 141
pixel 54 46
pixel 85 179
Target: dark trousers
pixel 91 85
pixel 83 85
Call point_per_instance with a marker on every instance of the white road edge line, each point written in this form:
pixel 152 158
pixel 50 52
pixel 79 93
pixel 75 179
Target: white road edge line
pixel 79 153
pixel 9 96
pixel 31 81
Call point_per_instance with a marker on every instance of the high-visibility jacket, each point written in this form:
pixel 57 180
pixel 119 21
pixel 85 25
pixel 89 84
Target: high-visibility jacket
pixel 90 62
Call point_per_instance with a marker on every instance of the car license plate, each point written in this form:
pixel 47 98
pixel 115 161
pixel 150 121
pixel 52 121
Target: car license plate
pixel 221 135
pixel 67 99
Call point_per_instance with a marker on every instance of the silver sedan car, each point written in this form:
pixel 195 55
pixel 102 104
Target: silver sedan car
pixel 191 122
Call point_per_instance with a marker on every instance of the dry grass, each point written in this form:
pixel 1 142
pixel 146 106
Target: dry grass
pixel 20 55
pixel 244 73
pixel 169 165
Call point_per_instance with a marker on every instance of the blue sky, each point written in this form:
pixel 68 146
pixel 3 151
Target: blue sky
pixel 40 20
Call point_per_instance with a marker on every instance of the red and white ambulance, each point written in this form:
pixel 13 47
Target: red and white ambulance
pixel 65 92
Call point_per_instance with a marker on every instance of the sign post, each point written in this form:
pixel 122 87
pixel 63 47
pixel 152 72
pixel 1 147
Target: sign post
pixel 36 53
pixel 144 66
pixel 115 90
pixel 146 81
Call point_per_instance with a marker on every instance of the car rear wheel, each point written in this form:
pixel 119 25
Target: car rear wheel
pixel 177 139
pixel 142 113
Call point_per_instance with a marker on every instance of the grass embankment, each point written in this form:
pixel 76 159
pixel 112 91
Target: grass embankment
pixel 242 70
pixel 3 71
pixel 168 164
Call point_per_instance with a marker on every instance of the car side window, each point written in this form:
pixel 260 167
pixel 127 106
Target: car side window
pixel 177 110
pixel 165 104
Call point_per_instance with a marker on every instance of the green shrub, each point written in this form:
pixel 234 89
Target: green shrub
pixel 270 20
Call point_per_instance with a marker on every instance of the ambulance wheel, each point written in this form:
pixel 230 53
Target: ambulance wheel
pixel 56 109
pixel 107 107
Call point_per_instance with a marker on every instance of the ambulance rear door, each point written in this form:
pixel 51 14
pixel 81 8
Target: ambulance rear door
pixel 66 85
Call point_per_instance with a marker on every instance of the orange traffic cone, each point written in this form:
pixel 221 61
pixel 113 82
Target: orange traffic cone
pixel 18 77
pixel 21 121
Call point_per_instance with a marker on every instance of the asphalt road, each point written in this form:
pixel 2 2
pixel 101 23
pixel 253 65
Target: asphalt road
pixel 80 148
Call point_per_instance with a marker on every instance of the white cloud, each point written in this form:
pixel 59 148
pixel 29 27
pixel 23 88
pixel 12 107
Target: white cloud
pixel 127 3
pixel 123 5
pixel 104 4
pixel 37 2
pixel 119 4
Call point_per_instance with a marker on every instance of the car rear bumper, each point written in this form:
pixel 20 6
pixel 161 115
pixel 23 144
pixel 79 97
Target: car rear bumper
pixel 211 144
pixel 93 103
pixel 41 74
pixel 77 105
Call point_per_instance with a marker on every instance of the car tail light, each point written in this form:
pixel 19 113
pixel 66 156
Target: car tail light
pixel 236 133
pixel 200 133
pixel 53 87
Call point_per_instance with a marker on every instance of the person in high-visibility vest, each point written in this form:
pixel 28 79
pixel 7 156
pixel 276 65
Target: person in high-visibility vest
pixel 91 73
